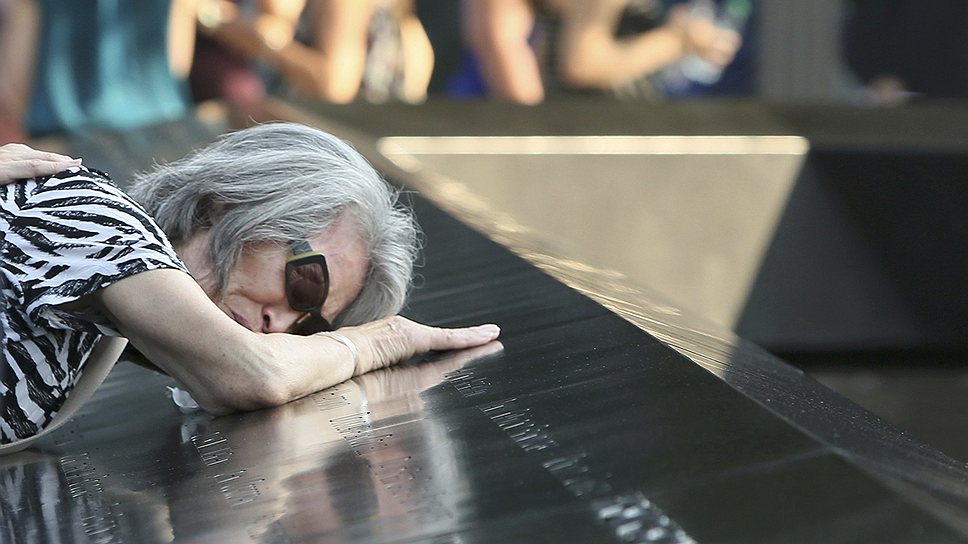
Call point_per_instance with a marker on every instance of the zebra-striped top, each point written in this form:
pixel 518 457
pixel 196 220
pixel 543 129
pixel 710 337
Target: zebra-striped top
pixel 61 238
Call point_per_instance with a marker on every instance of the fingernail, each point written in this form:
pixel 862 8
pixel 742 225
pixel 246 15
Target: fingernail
pixel 490 329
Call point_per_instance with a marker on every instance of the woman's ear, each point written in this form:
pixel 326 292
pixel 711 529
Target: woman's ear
pixel 216 210
pixel 210 211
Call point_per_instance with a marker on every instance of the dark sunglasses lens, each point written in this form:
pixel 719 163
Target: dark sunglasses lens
pixel 311 325
pixel 306 286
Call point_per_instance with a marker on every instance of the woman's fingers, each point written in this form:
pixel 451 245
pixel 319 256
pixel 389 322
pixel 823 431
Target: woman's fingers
pixel 33 168
pixel 445 339
pixel 394 339
pixel 18 161
pixel 14 151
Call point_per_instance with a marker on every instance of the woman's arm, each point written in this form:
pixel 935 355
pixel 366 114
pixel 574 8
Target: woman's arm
pixel 226 367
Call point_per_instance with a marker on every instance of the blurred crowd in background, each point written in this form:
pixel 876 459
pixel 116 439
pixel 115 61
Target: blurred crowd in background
pixel 69 65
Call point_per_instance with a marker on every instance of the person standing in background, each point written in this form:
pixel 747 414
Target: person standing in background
pixel 98 64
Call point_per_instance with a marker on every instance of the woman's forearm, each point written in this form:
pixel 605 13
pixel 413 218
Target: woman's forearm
pixel 167 317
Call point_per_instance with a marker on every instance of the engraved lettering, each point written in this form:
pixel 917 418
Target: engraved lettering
pixel 85 481
pixel 213 449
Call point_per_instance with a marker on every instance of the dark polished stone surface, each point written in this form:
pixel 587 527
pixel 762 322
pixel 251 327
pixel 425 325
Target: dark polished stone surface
pixel 580 428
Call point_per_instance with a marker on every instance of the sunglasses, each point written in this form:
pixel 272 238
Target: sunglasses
pixel 307 285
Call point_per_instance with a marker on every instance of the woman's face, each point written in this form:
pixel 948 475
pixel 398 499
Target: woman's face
pixel 255 294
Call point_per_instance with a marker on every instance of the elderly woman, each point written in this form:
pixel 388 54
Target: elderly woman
pixel 261 269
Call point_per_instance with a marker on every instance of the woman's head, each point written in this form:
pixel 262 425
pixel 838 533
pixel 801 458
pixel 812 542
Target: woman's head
pixel 279 183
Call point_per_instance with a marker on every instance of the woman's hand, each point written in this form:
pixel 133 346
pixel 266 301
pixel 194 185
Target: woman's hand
pixel 387 341
pixel 18 161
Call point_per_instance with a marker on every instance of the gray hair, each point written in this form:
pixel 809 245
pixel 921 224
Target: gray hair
pixel 280 182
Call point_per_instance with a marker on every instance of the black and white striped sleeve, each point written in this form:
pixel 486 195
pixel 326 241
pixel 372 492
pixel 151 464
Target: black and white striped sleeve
pixel 73 234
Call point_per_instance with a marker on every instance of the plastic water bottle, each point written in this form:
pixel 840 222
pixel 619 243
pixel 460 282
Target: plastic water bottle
pixel 732 15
